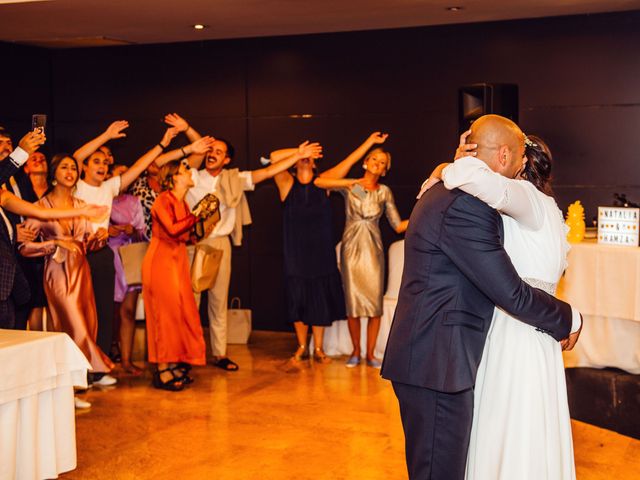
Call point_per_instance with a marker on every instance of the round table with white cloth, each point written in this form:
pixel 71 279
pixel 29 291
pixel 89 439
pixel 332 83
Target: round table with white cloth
pixel 37 413
pixel 603 283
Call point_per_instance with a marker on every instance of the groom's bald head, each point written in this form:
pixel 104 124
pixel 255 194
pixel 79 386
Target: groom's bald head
pixel 500 144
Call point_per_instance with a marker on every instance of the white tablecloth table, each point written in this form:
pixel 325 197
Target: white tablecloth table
pixel 37 415
pixel 603 282
pixel 337 340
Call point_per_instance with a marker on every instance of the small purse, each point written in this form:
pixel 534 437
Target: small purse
pixel 205 266
pixel 209 217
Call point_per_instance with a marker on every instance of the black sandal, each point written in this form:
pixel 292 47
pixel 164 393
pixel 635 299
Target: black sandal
pixel 227 365
pixel 183 375
pixel 173 385
pixel 185 367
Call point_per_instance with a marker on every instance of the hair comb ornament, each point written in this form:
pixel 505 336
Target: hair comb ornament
pixel 529 143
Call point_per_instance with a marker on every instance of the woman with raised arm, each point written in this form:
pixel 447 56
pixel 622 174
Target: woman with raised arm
pixel 147 186
pixel 174 333
pixel 520 391
pixel 96 188
pixel 67 277
pixel 361 253
pixel 313 288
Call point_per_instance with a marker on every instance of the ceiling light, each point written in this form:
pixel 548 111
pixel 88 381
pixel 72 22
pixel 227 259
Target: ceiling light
pixel 455 9
pixel 199 26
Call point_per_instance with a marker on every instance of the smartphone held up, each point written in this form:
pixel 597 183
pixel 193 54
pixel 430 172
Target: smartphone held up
pixel 38 122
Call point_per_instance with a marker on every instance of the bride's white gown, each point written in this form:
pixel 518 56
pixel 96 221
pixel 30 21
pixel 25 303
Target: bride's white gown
pixel 521 426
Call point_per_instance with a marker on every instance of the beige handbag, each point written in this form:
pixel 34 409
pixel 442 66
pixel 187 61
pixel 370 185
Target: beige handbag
pixel 205 266
pixel 132 256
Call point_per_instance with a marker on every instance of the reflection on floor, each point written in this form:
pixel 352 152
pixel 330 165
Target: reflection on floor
pixel 263 422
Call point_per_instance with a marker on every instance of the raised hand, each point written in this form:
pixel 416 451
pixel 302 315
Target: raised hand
pixel 168 136
pixel 378 137
pixel 176 121
pixel 32 141
pixel 202 146
pixel 115 130
pixel 465 149
pixel 310 150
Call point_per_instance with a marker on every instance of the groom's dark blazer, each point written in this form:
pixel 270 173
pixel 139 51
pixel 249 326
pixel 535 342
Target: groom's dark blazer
pixel 455 272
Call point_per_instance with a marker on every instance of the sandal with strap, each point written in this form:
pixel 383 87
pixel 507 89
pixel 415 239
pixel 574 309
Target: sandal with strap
pixel 320 357
pixel 227 365
pixel 173 385
pixel 301 353
pixel 185 367
pixel 182 375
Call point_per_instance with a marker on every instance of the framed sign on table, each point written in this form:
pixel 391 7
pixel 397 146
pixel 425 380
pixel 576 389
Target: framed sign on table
pixel 618 226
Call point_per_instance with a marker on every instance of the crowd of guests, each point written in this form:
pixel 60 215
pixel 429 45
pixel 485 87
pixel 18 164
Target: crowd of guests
pixel 64 221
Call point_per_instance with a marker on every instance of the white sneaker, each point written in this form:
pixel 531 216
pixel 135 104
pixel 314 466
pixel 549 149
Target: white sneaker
pixel 81 404
pixel 106 381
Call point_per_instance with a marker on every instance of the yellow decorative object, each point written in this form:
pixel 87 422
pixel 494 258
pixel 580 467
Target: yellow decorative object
pixel 575 222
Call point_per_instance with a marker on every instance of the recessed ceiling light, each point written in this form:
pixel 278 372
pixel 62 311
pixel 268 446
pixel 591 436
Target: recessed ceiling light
pixel 199 26
pixel 455 9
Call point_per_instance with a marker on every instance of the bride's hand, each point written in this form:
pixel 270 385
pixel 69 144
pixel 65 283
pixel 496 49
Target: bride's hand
pixel 465 149
pixel 434 178
pixel 570 342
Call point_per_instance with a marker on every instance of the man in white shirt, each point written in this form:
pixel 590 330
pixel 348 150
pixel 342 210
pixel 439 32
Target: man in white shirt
pixel 229 186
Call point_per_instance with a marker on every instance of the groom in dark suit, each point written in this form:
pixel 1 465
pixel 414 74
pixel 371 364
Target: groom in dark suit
pixel 455 272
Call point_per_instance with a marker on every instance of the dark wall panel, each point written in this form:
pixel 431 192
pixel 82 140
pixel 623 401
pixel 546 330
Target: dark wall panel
pixel 25 87
pixel 578 80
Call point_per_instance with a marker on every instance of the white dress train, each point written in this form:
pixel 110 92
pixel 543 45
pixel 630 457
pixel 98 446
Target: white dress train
pixel 521 427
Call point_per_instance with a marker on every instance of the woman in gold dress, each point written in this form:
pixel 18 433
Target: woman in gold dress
pixel 67 279
pixel 361 254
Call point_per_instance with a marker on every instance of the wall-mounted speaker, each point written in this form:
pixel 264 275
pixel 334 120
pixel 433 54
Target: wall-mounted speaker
pixel 484 98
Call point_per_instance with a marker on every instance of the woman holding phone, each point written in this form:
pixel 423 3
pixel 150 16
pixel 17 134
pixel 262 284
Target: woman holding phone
pixel 361 253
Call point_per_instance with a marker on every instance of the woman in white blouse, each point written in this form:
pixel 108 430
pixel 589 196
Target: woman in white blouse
pixel 521 426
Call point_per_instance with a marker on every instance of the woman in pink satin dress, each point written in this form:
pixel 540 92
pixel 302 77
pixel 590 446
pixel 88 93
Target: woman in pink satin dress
pixel 67 278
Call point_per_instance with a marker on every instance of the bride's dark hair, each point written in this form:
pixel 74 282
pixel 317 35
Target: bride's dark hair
pixel 537 170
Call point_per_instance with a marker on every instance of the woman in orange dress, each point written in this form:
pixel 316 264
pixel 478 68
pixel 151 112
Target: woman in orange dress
pixel 174 333
pixel 67 278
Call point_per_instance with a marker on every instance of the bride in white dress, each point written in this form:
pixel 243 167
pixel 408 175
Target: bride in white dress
pixel 521 427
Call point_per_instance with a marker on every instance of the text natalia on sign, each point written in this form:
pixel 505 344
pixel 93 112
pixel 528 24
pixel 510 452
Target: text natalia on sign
pixel 618 226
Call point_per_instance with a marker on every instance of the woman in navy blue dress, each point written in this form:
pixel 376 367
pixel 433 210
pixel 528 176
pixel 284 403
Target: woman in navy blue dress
pixel 313 286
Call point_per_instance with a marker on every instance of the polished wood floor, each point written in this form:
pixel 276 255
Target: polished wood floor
pixel 264 422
